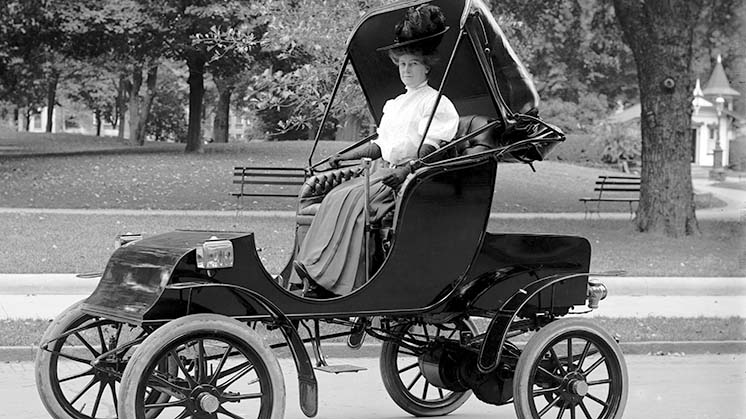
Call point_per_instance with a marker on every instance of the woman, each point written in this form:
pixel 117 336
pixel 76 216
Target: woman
pixel 331 254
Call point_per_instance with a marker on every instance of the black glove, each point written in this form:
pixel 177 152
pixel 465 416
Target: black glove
pixel 396 176
pixel 335 160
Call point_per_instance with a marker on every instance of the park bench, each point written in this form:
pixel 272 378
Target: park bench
pixel 268 182
pixel 614 189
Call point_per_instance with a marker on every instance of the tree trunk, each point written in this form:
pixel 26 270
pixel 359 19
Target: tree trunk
pixel 16 120
pixel 146 103
pixel 196 64
pixel 26 119
pixel 51 100
pixel 134 105
pixel 121 105
pixel 221 124
pixel 660 34
pixel 98 123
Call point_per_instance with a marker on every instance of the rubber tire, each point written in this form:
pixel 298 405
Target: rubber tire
pixel 400 395
pixel 196 323
pixel 43 360
pixel 538 344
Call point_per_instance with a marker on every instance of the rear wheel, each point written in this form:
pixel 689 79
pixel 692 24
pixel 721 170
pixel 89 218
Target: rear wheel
pixel 68 385
pixel 571 368
pixel 224 369
pixel 401 374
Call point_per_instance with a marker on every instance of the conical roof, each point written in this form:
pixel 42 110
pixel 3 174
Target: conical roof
pixel 718 84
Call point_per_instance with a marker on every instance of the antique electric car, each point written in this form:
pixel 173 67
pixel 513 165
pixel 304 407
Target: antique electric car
pixel 185 324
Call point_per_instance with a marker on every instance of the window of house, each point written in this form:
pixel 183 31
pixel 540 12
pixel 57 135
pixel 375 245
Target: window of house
pixel 712 132
pixel 36 121
pixel 71 123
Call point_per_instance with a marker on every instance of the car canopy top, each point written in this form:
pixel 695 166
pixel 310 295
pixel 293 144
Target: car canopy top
pixel 482 73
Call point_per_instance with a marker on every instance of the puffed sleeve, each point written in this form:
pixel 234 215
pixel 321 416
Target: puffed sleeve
pixel 384 130
pixel 445 122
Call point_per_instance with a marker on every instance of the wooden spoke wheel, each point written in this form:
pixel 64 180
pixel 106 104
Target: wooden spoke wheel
pixel 401 374
pixel 571 368
pixel 224 369
pixel 68 385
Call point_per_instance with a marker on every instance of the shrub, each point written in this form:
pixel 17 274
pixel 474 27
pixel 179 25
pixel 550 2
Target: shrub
pixel 578 148
pixel 620 142
pixel 573 117
pixel 737 154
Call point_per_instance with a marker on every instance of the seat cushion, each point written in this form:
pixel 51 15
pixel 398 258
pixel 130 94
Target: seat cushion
pixel 486 140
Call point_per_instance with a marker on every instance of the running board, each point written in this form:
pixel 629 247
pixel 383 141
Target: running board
pixel 338 369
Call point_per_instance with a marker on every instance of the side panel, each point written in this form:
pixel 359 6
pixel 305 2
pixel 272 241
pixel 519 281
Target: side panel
pixel 508 262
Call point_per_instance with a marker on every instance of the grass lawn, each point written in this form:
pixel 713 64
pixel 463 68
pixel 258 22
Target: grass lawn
pixel 162 176
pixel 73 171
pixel 83 243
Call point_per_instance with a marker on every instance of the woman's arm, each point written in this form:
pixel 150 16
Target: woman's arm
pixel 399 174
pixel 372 150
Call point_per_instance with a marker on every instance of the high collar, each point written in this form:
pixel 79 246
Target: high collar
pixel 416 88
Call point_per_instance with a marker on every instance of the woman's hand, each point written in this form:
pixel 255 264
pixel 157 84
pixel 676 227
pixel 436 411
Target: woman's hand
pixel 335 160
pixel 396 177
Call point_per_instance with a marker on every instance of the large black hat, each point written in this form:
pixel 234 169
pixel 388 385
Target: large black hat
pixel 422 27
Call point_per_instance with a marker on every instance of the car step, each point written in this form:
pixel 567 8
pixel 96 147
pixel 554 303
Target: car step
pixel 338 369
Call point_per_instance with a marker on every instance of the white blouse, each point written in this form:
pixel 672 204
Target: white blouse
pixel 404 121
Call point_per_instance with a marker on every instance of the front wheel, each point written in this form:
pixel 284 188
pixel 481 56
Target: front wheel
pixel 224 369
pixel 69 386
pixel 401 374
pixel 570 368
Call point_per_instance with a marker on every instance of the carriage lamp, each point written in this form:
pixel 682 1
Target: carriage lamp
pixel 125 239
pixel 596 292
pixel 215 254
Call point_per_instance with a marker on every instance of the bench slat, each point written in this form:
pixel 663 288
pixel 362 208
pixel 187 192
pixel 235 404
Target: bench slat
pixel 617 189
pixel 266 182
pixel 274 175
pixel 271 169
pixel 614 185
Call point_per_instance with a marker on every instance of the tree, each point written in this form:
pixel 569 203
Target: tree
pixel 183 21
pixel 573 48
pixel 29 69
pixel 307 39
pixel 129 39
pixel 233 54
pixel 661 36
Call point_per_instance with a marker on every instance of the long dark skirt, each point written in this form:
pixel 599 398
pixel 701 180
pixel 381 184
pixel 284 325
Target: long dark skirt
pixel 333 250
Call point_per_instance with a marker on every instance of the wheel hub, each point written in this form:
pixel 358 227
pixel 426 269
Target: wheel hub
pixel 205 399
pixel 578 387
pixel 574 388
pixel 208 402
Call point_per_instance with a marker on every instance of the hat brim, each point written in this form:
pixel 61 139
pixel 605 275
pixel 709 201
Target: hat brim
pixel 412 41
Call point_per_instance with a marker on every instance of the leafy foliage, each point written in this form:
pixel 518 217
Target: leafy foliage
pixel 622 142
pixel 168 118
pixel 308 39
pixel 575 117
pixel 572 47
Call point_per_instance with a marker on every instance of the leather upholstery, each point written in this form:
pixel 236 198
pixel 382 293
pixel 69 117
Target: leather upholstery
pixel 317 186
pixel 484 141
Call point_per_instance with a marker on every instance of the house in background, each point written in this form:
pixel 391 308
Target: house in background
pixel 714 120
pixel 67 119
pixel 714 124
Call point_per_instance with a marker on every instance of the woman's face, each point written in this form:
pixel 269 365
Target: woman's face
pixel 412 70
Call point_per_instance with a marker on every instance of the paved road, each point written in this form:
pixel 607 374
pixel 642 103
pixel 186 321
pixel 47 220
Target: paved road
pixel 661 387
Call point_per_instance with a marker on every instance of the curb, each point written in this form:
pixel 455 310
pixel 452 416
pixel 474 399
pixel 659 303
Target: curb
pixel 340 350
pixel 723 214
